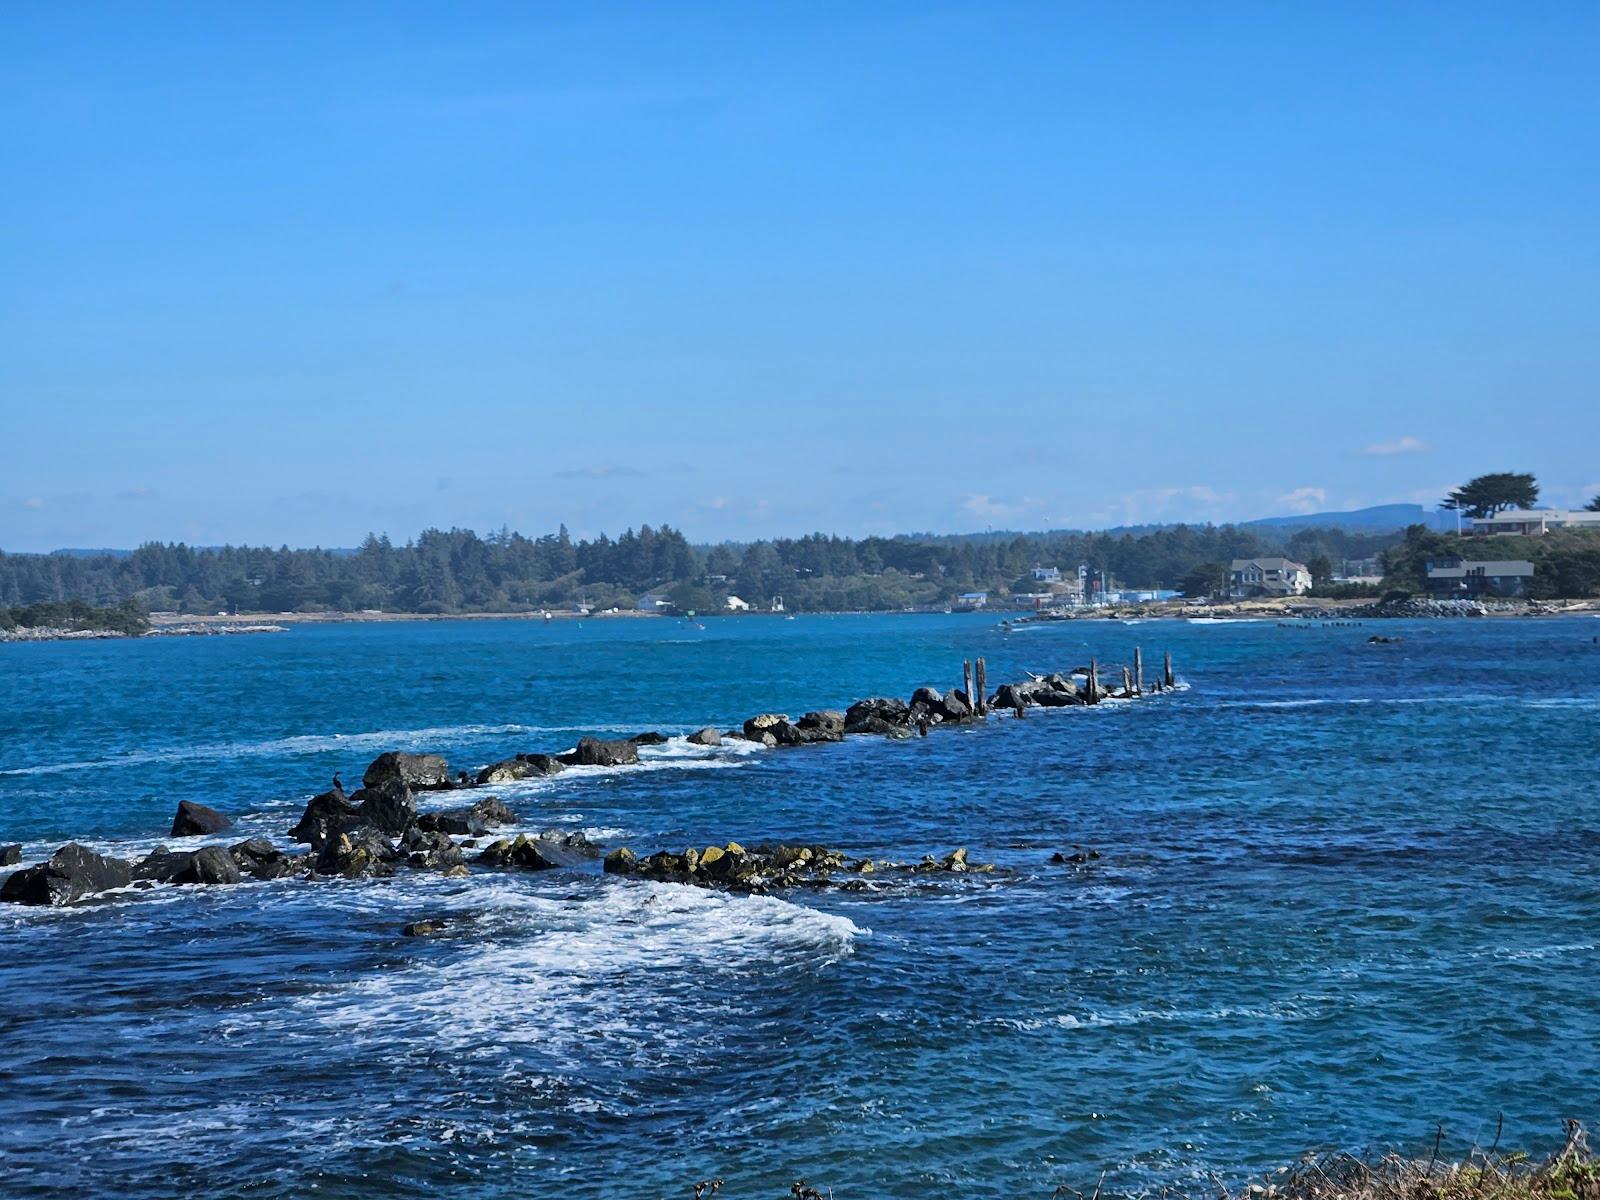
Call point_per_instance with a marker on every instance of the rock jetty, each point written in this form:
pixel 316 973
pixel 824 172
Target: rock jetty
pixel 759 869
pixel 377 829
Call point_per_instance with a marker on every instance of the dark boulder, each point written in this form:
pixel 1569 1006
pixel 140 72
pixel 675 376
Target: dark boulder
pixel 164 866
pixel 419 772
pixel 1049 697
pixel 879 711
pixel 1076 858
pixel 481 816
pixel 212 864
pixel 423 928
pixel 597 752
pixel 523 766
pixel 69 874
pixel 10 855
pixel 387 807
pixel 326 815
pixel 459 822
pixel 620 861
pixel 491 811
pixel 824 726
pixel 955 706
pixel 549 850
pixel 881 727
pixel 705 737
pixel 260 859
pixel 928 697
pixel 546 764
pixel 433 851
pixel 358 853
pixel 194 820
pixel 764 723
pixel 1012 696
pixel 652 738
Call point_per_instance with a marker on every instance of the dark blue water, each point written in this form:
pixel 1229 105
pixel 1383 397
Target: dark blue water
pixel 1347 892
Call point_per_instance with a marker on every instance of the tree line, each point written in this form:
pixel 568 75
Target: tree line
pixel 457 570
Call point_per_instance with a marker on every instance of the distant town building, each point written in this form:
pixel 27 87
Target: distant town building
pixel 1268 577
pixel 970 601
pixel 653 601
pixel 734 604
pixel 1534 522
pixel 1360 570
pixel 1459 579
pixel 1047 574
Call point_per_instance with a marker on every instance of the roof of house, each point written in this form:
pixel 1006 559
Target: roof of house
pixel 1269 564
pixel 1559 516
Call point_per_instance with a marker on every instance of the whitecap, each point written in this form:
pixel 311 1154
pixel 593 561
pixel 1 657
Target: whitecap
pixel 381 739
pixel 622 960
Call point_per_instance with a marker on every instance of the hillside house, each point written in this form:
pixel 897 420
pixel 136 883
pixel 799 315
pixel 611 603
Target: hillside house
pixel 1253 577
pixel 1460 579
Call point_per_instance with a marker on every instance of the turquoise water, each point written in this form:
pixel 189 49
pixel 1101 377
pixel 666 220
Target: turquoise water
pixel 1347 893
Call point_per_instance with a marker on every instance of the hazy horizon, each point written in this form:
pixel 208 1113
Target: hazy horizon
pixel 289 276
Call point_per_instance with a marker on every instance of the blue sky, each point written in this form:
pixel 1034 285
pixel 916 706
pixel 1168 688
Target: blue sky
pixel 282 273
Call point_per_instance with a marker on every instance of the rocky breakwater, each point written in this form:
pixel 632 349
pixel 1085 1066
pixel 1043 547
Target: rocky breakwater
pixel 1421 606
pixel 767 868
pixel 369 833
pixel 377 829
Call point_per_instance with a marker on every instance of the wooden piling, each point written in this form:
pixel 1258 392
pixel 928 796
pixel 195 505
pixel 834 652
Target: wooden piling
pixel 1166 669
pixel 1093 696
pixel 1138 672
pixel 982 680
pixel 1127 682
pixel 966 679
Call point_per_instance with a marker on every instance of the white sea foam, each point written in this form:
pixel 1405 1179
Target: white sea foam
pixel 629 962
pixel 1289 1010
pixel 381 739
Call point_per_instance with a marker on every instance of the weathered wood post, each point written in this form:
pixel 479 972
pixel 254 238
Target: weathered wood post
pixel 1127 682
pixel 1166 669
pixel 966 678
pixel 1094 682
pixel 982 680
pixel 1138 671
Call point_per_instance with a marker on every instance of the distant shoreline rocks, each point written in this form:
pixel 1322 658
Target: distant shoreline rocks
pixel 50 633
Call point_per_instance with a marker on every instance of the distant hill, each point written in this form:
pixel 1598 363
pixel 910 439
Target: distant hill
pixel 1383 518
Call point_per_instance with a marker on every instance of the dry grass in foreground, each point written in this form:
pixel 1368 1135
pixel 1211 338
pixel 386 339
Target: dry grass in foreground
pixel 1573 1174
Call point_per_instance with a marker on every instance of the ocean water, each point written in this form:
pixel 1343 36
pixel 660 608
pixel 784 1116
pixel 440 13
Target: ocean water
pixel 1348 894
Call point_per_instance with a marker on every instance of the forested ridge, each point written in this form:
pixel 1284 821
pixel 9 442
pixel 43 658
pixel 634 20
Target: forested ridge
pixel 458 571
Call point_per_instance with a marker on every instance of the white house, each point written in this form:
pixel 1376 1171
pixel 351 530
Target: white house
pixel 734 604
pixel 969 601
pixel 1047 574
pixel 1534 522
pixel 1268 577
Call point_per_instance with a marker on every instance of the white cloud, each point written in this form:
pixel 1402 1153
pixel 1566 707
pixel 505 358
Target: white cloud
pixel 1400 445
pixel 1154 506
pixel 34 502
pixel 989 509
pixel 1304 499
